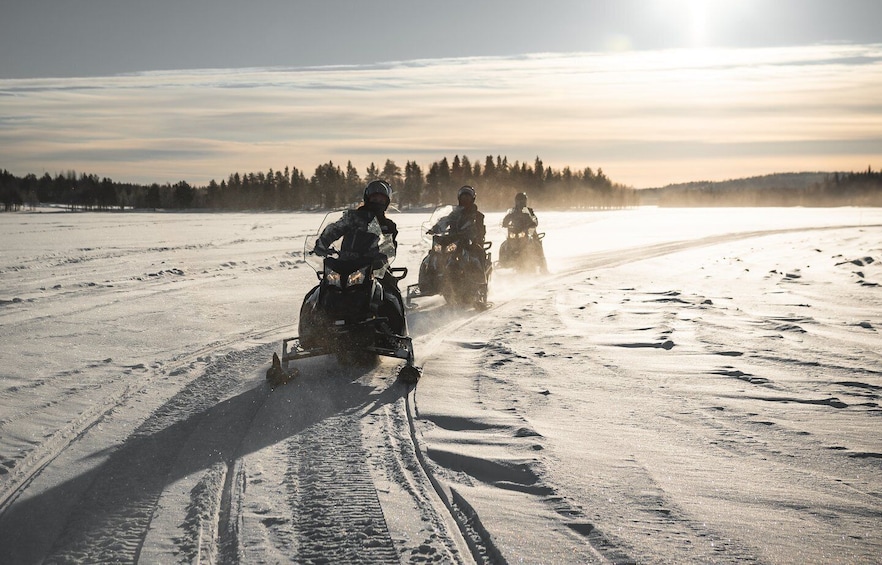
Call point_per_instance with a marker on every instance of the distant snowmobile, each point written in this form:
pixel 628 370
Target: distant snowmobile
pixel 451 267
pixel 350 314
pixel 522 250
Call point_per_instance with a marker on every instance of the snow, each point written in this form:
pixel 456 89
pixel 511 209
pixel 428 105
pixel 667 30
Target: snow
pixel 687 385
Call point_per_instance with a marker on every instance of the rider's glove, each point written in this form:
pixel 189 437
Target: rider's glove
pixel 320 249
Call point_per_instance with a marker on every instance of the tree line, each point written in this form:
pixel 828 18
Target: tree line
pixel 330 186
pixel 794 189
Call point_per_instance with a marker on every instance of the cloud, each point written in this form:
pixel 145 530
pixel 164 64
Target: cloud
pixel 637 115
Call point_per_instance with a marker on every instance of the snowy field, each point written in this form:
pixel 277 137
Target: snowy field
pixel 686 386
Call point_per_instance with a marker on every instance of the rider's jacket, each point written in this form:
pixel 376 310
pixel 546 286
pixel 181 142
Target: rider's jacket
pixel 520 219
pixel 360 230
pixel 469 220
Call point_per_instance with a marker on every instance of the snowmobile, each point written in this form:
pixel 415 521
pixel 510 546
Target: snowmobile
pixel 349 313
pixel 451 269
pixel 522 250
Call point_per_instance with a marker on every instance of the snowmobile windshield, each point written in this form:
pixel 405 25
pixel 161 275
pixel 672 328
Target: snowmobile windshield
pixel 518 220
pixel 356 239
pixel 314 261
pixel 385 247
pixel 437 215
pixel 437 221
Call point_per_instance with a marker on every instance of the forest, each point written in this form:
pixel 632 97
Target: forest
pixel 496 181
pixel 330 186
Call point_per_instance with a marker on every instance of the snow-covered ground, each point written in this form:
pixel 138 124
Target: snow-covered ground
pixel 686 386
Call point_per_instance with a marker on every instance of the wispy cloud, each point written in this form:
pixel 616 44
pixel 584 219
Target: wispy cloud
pixel 646 118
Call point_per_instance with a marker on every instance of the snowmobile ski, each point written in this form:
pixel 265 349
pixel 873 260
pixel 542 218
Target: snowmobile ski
pixel 409 374
pixel 278 375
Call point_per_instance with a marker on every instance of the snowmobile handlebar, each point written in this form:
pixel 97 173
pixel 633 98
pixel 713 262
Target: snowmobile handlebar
pixel 326 252
pixel 398 272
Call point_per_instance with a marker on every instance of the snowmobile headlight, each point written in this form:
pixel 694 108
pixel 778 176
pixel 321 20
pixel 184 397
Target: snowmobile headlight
pixel 522 234
pixel 333 278
pixel 436 248
pixel 357 277
pixel 451 247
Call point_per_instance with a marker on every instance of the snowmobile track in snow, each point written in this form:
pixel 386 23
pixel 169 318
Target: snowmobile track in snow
pixel 117 498
pixel 337 513
pixel 111 522
pixel 40 457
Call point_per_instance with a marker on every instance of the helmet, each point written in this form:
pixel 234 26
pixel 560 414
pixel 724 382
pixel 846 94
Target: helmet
pixel 520 199
pixel 466 190
pixel 378 187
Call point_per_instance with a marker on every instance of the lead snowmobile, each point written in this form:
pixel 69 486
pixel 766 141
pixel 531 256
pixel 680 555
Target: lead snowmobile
pixel 349 313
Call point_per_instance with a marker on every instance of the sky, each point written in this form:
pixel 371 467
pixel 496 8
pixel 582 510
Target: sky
pixel 652 92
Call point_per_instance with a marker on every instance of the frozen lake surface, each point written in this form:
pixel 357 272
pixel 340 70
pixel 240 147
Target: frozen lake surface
pixel 687 385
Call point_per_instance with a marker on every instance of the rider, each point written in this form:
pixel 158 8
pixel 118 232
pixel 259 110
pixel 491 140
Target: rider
pixel 522 218
pixel 468 219
pixel 359 239
pixel 465 218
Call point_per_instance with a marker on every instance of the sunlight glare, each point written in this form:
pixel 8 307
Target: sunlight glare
pixel 696 19
pixel 698 22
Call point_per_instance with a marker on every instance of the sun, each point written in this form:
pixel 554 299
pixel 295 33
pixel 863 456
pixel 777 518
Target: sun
pixel 695 20
pixel 697 12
